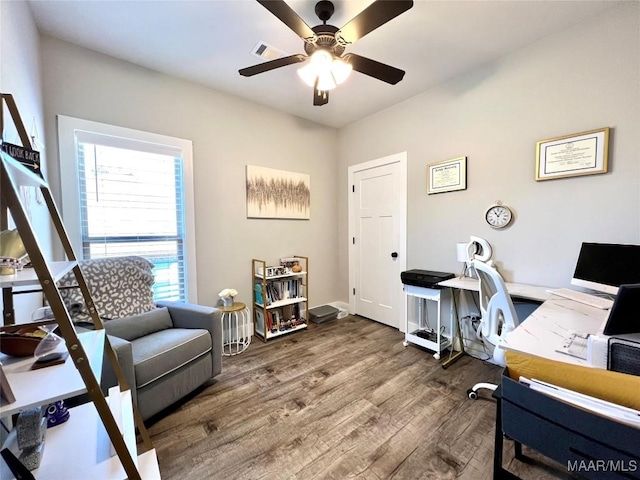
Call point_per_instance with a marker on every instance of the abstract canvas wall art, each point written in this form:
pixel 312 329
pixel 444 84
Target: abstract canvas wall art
pixel 277 194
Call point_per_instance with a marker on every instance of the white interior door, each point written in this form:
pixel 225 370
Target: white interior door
pixel 378 245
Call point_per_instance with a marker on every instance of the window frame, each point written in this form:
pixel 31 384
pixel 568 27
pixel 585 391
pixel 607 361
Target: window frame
pixel 70 188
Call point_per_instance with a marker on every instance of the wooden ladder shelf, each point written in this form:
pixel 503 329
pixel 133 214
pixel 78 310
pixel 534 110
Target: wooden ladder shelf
pixel 13 176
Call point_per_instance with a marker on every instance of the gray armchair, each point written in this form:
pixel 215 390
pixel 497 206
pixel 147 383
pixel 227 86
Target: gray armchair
pixel 166 353
pixel 165 350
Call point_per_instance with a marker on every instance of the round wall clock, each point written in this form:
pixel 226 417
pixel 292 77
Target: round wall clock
pixel 498 215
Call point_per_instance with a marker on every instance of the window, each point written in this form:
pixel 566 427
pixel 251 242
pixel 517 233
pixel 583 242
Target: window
pixel 132 193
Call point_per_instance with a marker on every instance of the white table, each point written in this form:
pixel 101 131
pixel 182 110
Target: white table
pixel 435 340
pixel 518 290
pixel 546 327
pixel 236 328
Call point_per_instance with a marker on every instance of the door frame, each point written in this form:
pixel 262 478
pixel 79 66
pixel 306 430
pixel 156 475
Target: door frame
pixel 401 159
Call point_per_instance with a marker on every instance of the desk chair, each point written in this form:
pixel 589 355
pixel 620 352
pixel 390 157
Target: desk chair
pixel 499 316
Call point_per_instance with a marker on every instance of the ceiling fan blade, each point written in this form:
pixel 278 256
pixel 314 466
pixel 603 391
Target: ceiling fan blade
pixel 320 97
pixel 374 69
pixel 266 66
pixel 290 18
pixel 372 17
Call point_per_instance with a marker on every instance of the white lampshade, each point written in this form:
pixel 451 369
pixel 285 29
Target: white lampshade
pixel 326 81
pixel 328 71
pixel 308 74
pixel 461 251
pixel 340 70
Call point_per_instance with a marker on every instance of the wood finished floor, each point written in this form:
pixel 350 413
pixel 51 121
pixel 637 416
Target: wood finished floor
pixel 340 400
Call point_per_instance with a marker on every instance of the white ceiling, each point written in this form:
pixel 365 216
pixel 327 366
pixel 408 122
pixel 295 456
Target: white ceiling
pixel 208 41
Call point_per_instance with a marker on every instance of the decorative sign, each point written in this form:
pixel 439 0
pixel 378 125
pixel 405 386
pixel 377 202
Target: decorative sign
pixel 27 157
pixel 573 155
pixel 447 176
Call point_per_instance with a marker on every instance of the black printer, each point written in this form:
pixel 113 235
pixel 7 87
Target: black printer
pixel 424 278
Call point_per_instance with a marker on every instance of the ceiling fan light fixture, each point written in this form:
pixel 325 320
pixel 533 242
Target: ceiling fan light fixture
pixel 308 74
pixel 326 81
pixel 326 70
pixel 340 70
pixel 319 63
pixel 321 59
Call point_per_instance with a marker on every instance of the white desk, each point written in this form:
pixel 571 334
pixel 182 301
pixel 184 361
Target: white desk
pixel 544 330
pixel 530 418
pixel 546 327
pixel 520 290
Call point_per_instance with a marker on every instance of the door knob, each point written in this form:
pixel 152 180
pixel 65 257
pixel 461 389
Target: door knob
pixel 394 255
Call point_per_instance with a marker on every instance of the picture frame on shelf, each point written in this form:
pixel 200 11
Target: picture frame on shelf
pixel 574 155
pixel 291 264
pixel 447 176
pixel 273 271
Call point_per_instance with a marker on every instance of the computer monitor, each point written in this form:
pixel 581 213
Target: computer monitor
pixel 624 316
pixel 606 266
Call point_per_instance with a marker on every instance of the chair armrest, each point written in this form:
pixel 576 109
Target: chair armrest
pixel 190 315
pixel 124 352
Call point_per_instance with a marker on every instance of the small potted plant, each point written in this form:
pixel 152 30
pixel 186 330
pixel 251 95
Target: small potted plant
pixel 227 296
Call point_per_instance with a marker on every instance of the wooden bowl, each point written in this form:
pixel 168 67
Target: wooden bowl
pixel 17 345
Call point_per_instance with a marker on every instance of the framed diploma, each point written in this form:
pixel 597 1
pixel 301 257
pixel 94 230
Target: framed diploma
pixel 583 153
pixel 447 176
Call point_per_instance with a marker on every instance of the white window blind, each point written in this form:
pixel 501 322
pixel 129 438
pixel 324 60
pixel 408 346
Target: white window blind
pixel 131 201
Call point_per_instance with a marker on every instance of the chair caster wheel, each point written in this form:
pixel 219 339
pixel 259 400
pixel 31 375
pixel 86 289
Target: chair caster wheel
pixel 472 394
pixel 405 344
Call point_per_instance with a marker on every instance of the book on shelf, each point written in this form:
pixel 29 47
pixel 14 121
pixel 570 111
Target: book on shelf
pixel 260 321
pixel 258 293
pixel 287 313
pixel 281 290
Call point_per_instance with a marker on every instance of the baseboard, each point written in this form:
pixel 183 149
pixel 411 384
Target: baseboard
pixel 340 305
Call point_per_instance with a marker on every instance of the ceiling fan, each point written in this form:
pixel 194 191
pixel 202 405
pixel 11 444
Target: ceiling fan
pixel 324 45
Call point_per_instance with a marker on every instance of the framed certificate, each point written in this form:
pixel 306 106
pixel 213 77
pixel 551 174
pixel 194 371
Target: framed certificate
pixel 583 153
pixel 447 176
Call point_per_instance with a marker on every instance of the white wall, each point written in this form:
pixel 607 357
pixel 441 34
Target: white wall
pixel 584 78
pixel 227 134
pixel 20 77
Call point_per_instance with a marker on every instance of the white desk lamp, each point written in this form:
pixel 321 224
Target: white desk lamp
pixel 462 257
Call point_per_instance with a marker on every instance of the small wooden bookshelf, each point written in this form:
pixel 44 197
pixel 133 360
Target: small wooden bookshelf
pixel 280 297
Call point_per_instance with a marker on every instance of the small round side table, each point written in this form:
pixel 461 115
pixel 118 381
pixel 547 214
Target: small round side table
pixel 236 328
